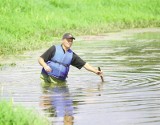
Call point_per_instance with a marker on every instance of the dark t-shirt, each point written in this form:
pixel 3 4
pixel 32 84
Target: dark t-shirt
pixel 76 60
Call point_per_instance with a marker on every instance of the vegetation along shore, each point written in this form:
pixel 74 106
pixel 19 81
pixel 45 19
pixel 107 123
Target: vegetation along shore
pixel 18 115
pixel 30 24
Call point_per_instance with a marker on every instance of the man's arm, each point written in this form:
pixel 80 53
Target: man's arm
pixel 44 64
pixel 92 69
pixel 79 63
pixel 46 56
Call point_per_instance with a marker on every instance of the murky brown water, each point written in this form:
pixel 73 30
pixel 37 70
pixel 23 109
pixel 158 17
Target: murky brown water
pixel 130 94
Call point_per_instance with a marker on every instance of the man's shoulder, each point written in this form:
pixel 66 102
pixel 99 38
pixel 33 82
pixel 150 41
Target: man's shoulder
pixel 75 55
pixel 52 47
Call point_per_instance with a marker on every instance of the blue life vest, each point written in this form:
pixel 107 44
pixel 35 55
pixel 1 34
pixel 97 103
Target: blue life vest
pixel 60 63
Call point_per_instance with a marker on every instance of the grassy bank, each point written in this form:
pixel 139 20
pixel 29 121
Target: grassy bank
pixel 29 24
pixel 17 115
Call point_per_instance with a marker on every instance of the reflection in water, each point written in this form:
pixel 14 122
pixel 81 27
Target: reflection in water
pixel 56 102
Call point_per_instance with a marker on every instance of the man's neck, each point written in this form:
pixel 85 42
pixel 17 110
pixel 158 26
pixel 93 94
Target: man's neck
pixel 64 48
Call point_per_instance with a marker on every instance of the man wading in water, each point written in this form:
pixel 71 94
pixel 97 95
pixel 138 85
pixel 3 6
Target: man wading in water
pixel 57 59
pixel 55 62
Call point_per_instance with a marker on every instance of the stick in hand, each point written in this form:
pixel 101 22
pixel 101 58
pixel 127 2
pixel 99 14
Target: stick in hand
pixel 101 76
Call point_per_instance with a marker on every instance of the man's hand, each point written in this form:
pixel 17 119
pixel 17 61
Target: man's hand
pixel 44 65
pixel 100 73
pixel 47 68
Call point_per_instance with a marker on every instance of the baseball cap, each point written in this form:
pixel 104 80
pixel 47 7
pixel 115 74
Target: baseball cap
pixel 68 36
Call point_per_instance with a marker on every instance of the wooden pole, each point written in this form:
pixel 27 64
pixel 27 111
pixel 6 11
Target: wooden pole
pixel 101 76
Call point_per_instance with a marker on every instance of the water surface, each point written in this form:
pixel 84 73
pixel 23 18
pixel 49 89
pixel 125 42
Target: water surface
pixel 129 96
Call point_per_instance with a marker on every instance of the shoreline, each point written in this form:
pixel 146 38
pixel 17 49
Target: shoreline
pixel 118 36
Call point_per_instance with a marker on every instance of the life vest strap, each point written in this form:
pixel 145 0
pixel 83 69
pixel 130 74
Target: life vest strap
pixel 66 65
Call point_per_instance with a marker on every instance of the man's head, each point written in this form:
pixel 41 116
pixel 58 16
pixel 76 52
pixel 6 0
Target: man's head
pixel 68 36
pixel 67 40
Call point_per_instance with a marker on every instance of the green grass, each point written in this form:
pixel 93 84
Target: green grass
pixel 30 24
pixel 18 115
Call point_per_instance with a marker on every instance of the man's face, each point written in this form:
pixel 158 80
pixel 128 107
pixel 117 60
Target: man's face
pixel 67 43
